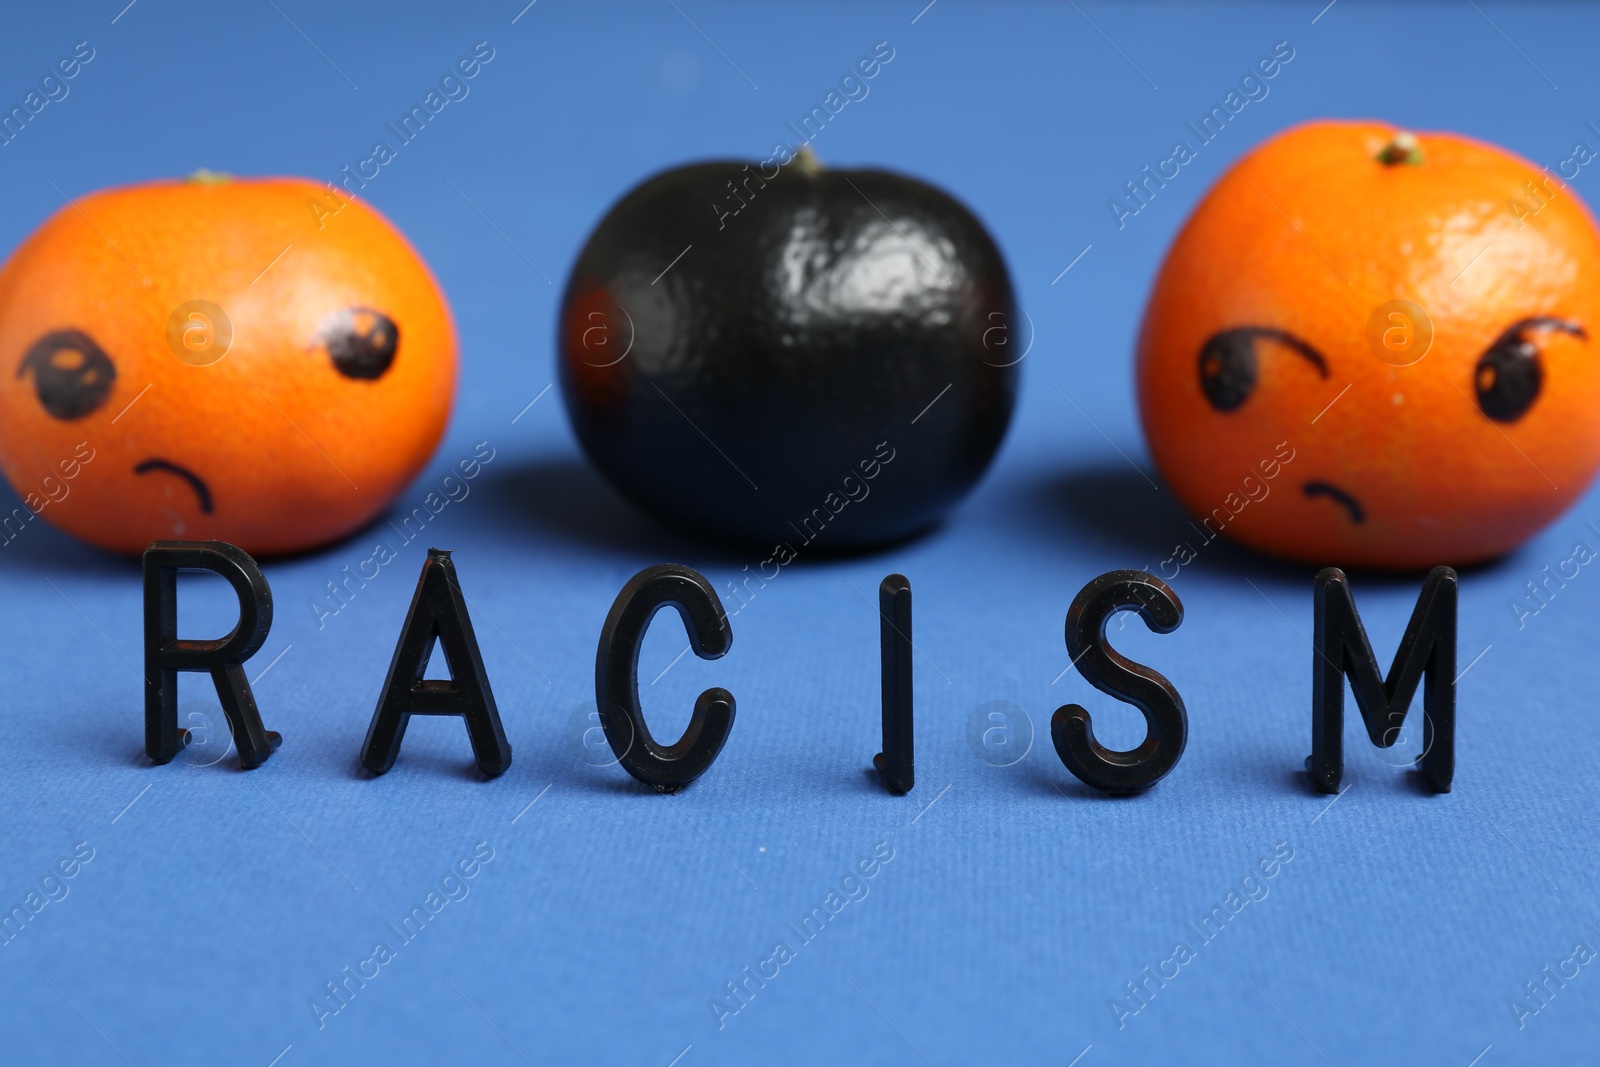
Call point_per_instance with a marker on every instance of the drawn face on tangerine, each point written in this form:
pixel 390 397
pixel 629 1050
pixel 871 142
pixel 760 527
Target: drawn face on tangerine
pixel 1356 363
pixel 280 410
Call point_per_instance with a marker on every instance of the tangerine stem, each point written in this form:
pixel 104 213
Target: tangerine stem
pixel 1403 148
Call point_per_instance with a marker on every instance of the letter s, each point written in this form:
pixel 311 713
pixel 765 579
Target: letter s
pixel 1166 721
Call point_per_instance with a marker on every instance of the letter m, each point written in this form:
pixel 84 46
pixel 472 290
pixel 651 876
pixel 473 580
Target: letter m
pixel 1343 651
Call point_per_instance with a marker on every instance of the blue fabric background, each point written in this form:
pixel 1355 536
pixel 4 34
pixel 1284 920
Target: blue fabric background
pixel 1017 903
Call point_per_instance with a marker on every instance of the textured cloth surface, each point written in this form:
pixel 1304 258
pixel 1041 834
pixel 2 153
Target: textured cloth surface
pixel 1015 907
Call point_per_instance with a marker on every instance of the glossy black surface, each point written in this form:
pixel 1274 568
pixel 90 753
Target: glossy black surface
pixel 166 654
pixel 1427 649
pixel 1166 719
pixel 1230 366
pixel 438 615
pixel 1509 375
pixel 666 768
pixel 898 761
pixel 740 348
pixel 72 375
pixel 361 342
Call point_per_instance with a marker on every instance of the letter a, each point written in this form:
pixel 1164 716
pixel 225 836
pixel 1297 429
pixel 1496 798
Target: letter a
pixel 438 613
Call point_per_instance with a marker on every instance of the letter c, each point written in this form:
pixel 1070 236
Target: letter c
pixel 667 768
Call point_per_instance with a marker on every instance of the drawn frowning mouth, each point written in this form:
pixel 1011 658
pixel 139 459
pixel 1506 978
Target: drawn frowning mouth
pixel 1333 492
pixel 201 490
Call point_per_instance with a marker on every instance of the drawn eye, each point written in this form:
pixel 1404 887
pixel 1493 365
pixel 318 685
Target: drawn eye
pixel 360 341
pixel 72 375
pixel 1509 375
pixel 1229 366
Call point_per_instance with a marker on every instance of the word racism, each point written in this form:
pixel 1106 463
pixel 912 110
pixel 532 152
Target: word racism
pixel 438 616
pixel 1140 191
pixel 453 87
pixel 54 87
pixel 853 85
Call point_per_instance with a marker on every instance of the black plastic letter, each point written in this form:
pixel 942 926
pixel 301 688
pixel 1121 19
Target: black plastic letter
pixel 897 762
pixel 165 654
pixel 1428 648
pixel 667 768
pixel 1166 721
pixel 438 613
